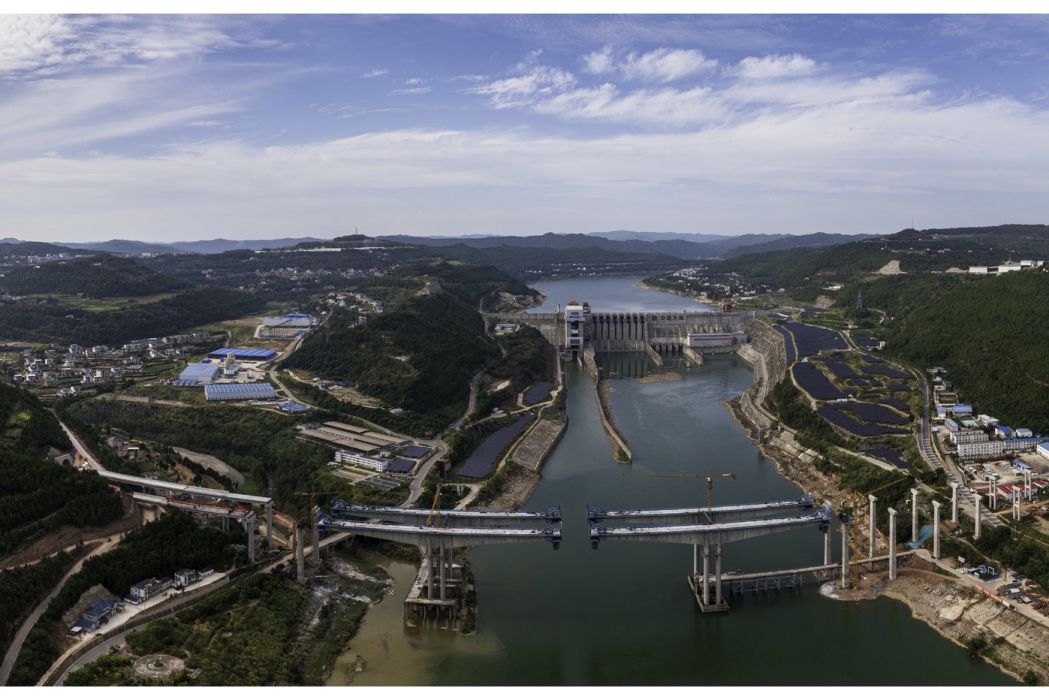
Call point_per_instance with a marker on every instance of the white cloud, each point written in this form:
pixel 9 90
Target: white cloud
pixel 665 65
pixel 664 107
pixel 375 73
pixel 599 62
pixel 421 90
pixel 46 44
pixel 524 89
pixel 851 166
pixel 661 65
pixel 775 66
pixel 413 81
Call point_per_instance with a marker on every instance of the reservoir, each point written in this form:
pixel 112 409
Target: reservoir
pixel 623 614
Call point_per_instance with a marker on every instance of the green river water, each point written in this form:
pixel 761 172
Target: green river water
pixel 623 614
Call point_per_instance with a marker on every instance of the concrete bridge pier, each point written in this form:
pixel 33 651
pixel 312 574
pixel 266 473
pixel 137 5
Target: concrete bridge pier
pixel 826 547
pixel 892 544
pixel 706 575
pixel 954 502
pixel 269 525
pixel 935 529
pixel 979 517
pixel 872 546
pixel 993 492
pixel 316 536
pixel 443 573
pixel 249 526
pixel 300 557
pixel 429 572
pixel 717 578
pixel 914 516
pixel 844 554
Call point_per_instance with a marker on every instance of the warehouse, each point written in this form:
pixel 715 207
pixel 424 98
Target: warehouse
pixel 250 354
pixel 197 373
pixel 239 392
pixel 286 326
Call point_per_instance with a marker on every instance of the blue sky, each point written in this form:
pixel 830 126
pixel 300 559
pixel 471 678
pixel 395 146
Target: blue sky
pixel 177 127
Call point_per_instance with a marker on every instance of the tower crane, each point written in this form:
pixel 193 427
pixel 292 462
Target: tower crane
pixel 692 475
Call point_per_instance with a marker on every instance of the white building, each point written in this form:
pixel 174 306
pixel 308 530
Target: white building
pixel 968 437
pixel 1023 433
pixel 1043 449
pixel 361 460
pixel 575 320
pixel 979 450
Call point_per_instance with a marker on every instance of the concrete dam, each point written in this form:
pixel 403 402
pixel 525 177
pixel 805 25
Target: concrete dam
pixel 577 329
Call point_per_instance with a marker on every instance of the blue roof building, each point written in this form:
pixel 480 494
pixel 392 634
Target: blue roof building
pixel 199 373
pixel 254 354
pixel 96 615
pixel 239 392
pixel 962 409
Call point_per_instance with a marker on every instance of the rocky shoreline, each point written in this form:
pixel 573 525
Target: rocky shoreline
pixel 955 611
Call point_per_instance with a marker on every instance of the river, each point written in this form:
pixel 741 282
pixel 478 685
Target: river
pixel 623 614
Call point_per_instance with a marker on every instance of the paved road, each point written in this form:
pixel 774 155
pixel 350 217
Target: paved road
pixel 27 626
pixel 90 458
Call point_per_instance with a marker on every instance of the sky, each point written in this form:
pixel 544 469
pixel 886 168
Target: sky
pixel 166 127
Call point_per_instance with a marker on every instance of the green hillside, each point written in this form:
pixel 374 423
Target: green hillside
pixel 991 334
pixel 97 277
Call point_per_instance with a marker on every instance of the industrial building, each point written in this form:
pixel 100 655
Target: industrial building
pixel 146 589
pixel 286 326
pixel 262 391
pixel 95 616
pixel 361 460
pixel 197 373
pixel 250 354
pixel 352 437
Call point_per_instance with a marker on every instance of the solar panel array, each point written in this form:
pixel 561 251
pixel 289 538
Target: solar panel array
pixel 245 353
pixel 841 369
pixel 812 339
pixel 480 463
pixel 897 403
pixel 815 383
pixel 875 413
pixel 239 392
pixel 400 466
pixel 886 371
pixel 835 416
pixel 537 392
pixel 890 456
pixel 788 341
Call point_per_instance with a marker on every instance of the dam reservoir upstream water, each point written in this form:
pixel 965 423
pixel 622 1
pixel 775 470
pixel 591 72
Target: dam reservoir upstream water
pixel 623 614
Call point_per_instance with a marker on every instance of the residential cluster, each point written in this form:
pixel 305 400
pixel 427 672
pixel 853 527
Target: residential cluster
pixel 102 611
pixel 75 364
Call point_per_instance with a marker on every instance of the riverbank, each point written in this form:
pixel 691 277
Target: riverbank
pixel 702 297
pixel 620 448
pixel 952 609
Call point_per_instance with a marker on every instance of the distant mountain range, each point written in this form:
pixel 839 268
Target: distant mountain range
pixel 207 247
pixel 694 247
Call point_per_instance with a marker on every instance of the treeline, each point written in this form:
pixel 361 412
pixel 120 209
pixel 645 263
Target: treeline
pixel 528 358
pixel 419 356
pixel 96 276
pixel 791 407
pixel 38 496
pixel 26 424
pixel 159 548
pixel 260 443
pixel 991 335
pixel 23 588
pixel 53 321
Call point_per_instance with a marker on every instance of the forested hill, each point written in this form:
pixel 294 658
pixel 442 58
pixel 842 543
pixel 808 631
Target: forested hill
pixel 992 336
pixel 26 426
pixel 419 356
pixel 806 270
pixel 96 276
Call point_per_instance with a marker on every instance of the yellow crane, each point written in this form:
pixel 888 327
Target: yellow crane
pixel 434 519
pixel 691 475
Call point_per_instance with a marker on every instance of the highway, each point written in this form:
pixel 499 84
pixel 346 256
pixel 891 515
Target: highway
pixel 79 446
pixel 23 631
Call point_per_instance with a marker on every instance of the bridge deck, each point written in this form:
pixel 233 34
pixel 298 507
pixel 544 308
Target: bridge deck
pixel 445 518
pixel 441 537
pixel 184 488
pixel 711 533
pixel 710 515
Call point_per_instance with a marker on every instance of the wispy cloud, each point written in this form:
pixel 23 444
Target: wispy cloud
pixel 661 65
pixel 35 45
pixel 523 89
pixel 775 66
pixel 375 73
